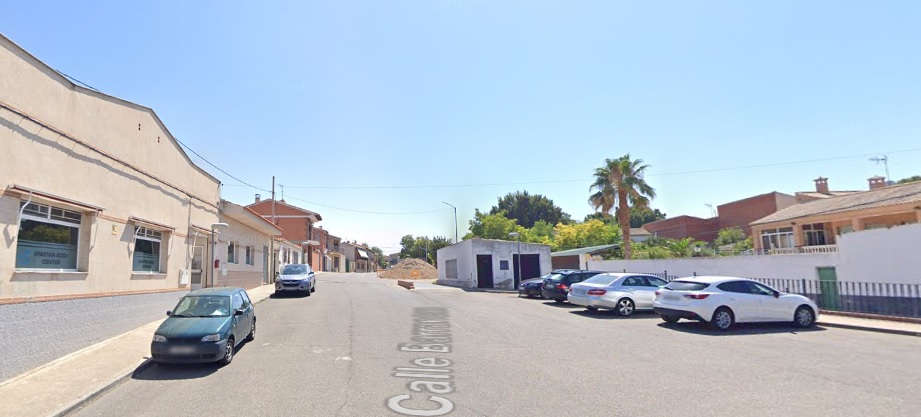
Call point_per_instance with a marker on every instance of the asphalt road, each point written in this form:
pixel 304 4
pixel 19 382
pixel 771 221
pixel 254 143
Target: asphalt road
pixel 335 354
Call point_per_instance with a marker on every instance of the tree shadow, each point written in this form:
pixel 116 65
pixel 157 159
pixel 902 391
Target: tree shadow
pixel 740 329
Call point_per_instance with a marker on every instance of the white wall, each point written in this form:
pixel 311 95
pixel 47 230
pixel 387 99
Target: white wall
pixel 881 255
pixel 465 252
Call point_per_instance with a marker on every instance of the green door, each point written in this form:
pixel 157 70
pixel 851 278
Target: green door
pixel 348 266
pixel 828 288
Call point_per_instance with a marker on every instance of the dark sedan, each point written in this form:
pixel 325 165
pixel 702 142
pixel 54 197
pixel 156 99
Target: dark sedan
pixel 206 326
pixel 531 287
pixel 556 287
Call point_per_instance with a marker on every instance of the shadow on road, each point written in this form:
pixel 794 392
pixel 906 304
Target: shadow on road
pixel 611 315
pixel 293 295
pixel 561 305
pixel 171 372
pixel 745 329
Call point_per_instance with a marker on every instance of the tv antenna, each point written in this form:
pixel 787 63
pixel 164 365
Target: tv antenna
pixel 885 160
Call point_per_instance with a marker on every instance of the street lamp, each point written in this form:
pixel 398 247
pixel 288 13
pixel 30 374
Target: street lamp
pixel 215 227
pixel 455 221
pixel 517 277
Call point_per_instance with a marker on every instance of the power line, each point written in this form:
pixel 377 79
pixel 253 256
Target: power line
pixel 366 187
pixel 244 183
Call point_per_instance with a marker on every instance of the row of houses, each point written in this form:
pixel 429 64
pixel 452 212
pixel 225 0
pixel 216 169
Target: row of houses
pixel 807 222
pixel 98 197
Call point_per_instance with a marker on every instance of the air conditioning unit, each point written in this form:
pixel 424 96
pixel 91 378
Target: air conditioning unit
pixel 183 276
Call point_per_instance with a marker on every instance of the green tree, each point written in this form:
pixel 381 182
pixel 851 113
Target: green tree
pixel 542 232
pixel 528 209
pixel 381 259
pixel 729 236
pixel 422 247
pixel 492 226
pixel 912 178
pixel 580 235
pixel 681 248
pixel 620 183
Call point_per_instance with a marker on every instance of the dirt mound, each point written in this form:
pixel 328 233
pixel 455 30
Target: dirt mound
pixel 410 269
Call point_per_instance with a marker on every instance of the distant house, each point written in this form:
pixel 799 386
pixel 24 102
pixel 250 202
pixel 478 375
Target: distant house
pixel 739 213
pixel 813 226
pixel 334 253
pixel 639 234
pixel 578 258
pixel 298 226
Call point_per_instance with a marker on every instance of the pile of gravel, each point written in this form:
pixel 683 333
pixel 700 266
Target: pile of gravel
pixel 410 269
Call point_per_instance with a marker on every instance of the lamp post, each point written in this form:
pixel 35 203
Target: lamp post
pixel 215 232
pixel 516 278
pixel 455 221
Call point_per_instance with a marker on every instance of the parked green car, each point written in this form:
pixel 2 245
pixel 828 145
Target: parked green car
pixel 206 326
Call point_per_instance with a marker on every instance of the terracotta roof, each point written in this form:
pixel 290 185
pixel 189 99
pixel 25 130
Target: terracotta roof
pixel 817 194
pixel 887 196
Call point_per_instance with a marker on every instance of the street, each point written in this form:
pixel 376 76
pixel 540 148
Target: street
pixel 335 353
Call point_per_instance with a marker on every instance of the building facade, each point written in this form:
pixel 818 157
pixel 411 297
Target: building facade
pixel 487 263
pixel 243 249
pixel 298 225
pixel 136 224
pixel 739 213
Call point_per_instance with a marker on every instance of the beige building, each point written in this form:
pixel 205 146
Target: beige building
pixel 97 195
pixel 242 249
pixel 816 225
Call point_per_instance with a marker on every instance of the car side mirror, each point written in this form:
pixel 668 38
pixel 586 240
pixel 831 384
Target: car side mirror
pixel 169 313
pixel 238 312
pixel 776 294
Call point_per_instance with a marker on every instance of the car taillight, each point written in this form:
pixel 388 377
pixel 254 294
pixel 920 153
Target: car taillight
pixel 696 296
pixel 596 292
pixel 658 292
pixel 561 286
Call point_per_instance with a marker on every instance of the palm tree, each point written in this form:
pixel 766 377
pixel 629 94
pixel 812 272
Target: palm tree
pixel 620 181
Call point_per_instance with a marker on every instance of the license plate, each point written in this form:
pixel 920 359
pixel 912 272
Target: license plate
pixel 670 297
pixel 182 350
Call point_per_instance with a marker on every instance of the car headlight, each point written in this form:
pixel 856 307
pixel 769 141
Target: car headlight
pixel 159 338
pixel 211 338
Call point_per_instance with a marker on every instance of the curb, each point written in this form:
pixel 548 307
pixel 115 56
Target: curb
pixel 80 402
pixel 870 329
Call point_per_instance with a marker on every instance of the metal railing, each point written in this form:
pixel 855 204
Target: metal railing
pixel 792 251
pixel 884 298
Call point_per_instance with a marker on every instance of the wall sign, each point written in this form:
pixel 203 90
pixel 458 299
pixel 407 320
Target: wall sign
pixel 503 265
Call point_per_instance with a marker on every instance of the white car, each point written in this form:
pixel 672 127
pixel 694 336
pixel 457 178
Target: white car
pixel 622 292
pixel 724 301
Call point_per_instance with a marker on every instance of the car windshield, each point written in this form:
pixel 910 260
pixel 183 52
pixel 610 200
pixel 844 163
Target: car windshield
pixel 600 279
pixel 203 306
pixel 686 286
pixel 294 270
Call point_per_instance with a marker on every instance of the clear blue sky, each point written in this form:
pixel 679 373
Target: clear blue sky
pixel 465 92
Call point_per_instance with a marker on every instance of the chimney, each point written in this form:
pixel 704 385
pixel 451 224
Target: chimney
pixel 258 198
pixel 877 182
pixel 821 185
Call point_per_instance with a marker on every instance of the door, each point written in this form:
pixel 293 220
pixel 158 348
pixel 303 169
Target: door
pixel 265 265
pixel 530 267
pixel 242 323
pixel 771 308
pixel 636 286
pixel 745 305
pixel 646 292
pixel 198 254
pixel 828 288
pixel 484 271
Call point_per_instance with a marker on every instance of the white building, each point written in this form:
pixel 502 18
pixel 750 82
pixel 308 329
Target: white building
pixel 487 263
pixel 242 250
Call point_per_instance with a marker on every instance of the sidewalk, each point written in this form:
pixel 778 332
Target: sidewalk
pixel 881 326
pixel 64 384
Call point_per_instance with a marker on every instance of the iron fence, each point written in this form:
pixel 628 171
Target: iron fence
pixel 889 299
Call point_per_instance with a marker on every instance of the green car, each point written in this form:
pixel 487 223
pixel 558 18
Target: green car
pixel 206 326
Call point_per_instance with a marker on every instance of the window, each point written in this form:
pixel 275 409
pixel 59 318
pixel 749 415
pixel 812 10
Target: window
pixel 634 282
pixel 146 256
pixel 686 286
pixel 231 252
pixel 815 234
pixel 237 301
pixel 603 279
pixel 48 237
pixel 656 282
pixel 249 255
pixel 777 238
pixel 295 256
pixel 734 286
pixel 246 301
pixel 451 268
pixel 759 289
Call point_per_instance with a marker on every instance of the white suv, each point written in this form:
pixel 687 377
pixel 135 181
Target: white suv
pixel 724 301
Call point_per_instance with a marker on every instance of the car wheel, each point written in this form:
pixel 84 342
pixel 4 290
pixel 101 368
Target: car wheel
pixel 625 307
pixel 723 319
pixel 252 331
pixel 590 308
pixel 670 319
pixel 804 317
pixel 314 287
pixel 307 293
pixel 228 352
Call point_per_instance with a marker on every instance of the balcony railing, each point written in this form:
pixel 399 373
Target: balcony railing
pixel 793 251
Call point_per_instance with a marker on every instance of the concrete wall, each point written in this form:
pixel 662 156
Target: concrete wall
pixel 466 251
pixel 37 333
pixel 163 186
pixel 881 255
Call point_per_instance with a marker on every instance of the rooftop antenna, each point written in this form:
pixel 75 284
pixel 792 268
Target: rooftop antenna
pixel 282 191
pixel 712 212
pixel 885 160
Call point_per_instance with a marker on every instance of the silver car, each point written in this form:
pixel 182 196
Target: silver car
pixel 622 292
pixel 296 278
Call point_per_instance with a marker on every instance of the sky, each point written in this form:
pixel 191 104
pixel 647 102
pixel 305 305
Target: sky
pixel 374 113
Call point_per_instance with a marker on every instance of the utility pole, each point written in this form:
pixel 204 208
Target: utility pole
pixel 273 201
